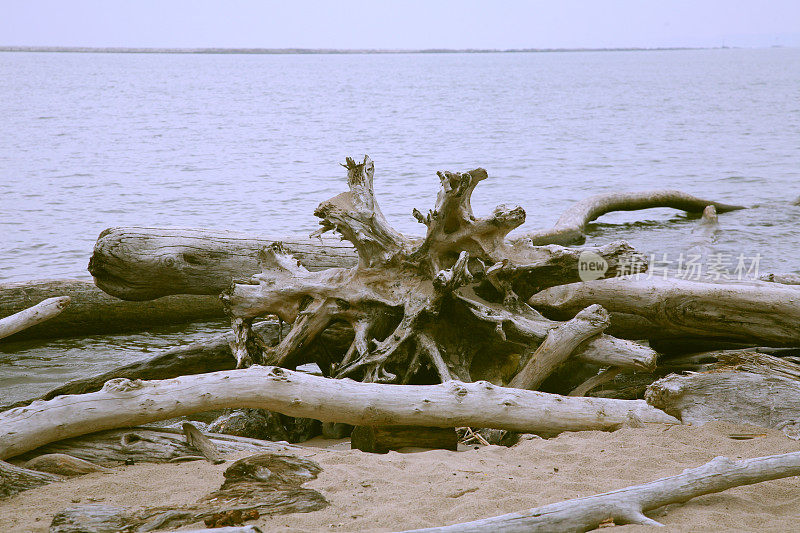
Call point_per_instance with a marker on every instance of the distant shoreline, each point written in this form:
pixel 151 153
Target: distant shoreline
pixel 326 51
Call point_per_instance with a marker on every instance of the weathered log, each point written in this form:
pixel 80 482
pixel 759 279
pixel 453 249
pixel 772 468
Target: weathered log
pixel 44 310
pixel 559 344
pixel 258 485
pixel 146 445
pixel 742 397
pixel 147 263
pixel 784 279
pixel 63 465
pixel 628 505
pixel 92 311
pixel 15 479
pixel 569 229
pixel 382 439
pixel 196 439
pixel 755 312
pixel 453 404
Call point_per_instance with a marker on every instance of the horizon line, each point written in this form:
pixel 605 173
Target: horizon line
pixel 333 51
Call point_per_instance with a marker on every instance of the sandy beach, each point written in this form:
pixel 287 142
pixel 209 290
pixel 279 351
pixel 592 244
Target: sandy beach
pixel 398 491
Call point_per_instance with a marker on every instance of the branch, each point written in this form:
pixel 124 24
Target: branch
pixel 122 402
pixel 570 226
pixel 40 312
pixel 628 505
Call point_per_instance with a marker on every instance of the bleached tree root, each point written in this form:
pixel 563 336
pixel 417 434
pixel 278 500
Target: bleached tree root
pixel 758 313
pixel 148 263
pixel 92 311
pixel 570 226
pixel 44 310
pixel 14 479
pixel 628 505
pixel 451 305
pixel 453 404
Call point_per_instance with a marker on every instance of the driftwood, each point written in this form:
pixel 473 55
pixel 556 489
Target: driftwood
pixel 383 439
pixel 258 485
pixel 196 439
pixel 733 396
pixel 784 279
pixel 628 505
pixel 148 263
pixel 214 354
pixel 92 311
pixel 453 404
pixel 559 344
pixel 146 445
pixel 63 465
pixel 40 312
pixel 760 313
pixel 570 227
pixel 448 306
pixel 14 479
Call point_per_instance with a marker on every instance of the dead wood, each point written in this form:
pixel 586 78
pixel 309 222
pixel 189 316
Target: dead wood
pixel 148 263
pixel 453 404
pixel 569 229
pixel 628 505
pixel 382 439
pixel 255 486
pixel 451 305
pixel 91 311
pixel 145 445
pixel 15 479
pixel 63 465
pixel 759 313
pixel 44 310
pixel 769 401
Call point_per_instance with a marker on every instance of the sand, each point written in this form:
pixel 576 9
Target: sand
pixel 400 491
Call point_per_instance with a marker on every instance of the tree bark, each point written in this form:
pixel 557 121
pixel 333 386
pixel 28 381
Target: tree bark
pixel 741 397
pixel 44 310
pixel 757 313
pixel 92 311
pixel 148 263
pixel 628 505
pixel 453 404
pixel 570 226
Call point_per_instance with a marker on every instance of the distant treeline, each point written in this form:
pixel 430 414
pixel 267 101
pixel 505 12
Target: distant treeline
pixel 80 49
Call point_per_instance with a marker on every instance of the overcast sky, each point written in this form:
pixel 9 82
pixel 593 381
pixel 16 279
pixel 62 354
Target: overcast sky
pixel 400 24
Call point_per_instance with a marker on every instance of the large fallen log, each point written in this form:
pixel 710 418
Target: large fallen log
pixel 148 263
pixel 628 505
pixel 732 396
pixel 124 403
pixel 569 229
pixel 92 311
pixel 37 314
pixel 759 313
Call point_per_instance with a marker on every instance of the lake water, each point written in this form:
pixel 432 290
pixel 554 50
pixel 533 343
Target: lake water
pixel 253 143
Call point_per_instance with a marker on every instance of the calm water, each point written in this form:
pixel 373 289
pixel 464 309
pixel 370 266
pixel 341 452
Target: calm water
pixel 253 142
